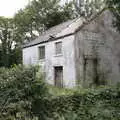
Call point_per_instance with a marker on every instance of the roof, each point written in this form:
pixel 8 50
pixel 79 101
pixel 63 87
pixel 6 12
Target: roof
pixel 45 36
pixel 55 32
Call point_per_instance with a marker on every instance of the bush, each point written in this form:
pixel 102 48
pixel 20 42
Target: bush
pixel 24 96
pixel 19 88
pixel 101 104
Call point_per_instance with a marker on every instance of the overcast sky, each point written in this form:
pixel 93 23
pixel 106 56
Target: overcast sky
pixel 9 7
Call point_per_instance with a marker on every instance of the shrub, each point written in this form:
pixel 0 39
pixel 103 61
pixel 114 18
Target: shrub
pixel 24 96
pixel 101 104
pixel 19 88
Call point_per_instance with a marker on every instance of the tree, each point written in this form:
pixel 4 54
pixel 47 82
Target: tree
pixel 114 6
pixel 8 41
pixel 24 24
pixel 40 15
pixel 87 8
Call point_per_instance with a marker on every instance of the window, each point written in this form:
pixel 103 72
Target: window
pixel 58 46
pixel 42 52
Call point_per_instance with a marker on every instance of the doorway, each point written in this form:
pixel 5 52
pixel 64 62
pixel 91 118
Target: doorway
pixel 58 76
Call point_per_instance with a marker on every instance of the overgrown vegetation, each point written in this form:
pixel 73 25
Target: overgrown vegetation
pixel 100 104
pixel 19 88
pixel 24 96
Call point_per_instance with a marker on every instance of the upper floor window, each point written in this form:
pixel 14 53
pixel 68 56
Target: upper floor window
pixel 42 52
pixel 58 48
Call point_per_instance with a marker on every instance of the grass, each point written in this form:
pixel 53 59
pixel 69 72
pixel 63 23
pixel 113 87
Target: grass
pixel 55 91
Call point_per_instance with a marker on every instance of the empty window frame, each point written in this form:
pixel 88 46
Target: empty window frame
pixel 41 52
pixel 58 48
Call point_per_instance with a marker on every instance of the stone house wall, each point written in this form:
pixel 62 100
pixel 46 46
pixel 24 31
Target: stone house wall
pixel 100 39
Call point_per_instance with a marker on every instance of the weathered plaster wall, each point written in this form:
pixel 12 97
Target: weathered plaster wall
pixel 104 37
pixel 30 55
pixel 66 59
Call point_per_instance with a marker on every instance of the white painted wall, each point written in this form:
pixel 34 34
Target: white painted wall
pixel 66 59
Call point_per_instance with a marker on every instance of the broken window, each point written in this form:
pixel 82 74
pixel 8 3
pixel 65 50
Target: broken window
pixel 58 48
pixel 42 52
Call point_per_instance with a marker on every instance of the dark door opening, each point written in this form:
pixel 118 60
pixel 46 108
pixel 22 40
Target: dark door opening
pixel 58 76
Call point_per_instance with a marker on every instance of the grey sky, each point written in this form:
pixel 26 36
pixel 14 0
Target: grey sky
pixel 9 7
